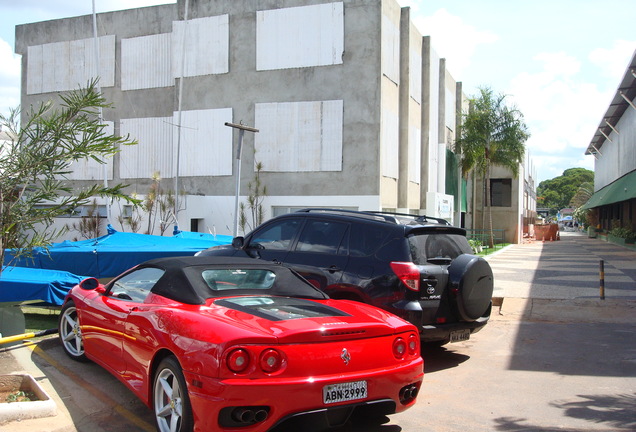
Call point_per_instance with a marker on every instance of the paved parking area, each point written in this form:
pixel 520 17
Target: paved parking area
pixel 565 269
pixel 555 357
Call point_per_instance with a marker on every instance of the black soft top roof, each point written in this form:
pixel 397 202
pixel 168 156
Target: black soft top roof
pixel 183 281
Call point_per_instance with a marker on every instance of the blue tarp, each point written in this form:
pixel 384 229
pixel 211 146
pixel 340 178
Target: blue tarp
pixel 116 252
pixel 19 284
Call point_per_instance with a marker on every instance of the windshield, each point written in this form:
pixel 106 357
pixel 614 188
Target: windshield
pixel 424 247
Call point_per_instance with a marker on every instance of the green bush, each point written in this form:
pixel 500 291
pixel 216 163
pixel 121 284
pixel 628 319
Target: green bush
pixel 475 244
pixel 622 232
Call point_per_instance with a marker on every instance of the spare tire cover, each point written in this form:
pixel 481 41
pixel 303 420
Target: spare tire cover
pixel 471 278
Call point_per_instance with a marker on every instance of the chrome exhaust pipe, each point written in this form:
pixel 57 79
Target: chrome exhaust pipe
pixel 242 415
pixel 408 393
pixel 260 415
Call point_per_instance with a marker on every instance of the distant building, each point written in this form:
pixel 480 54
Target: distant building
pixel 5 137
pixel 614 149
pixel 513 202
pixel 355 113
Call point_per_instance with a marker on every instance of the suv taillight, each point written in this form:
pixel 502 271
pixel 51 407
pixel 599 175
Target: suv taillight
pixel 408 273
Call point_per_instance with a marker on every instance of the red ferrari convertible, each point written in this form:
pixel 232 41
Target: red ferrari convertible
pixel 224 344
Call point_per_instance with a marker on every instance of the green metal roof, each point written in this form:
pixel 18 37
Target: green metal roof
pixel 622 189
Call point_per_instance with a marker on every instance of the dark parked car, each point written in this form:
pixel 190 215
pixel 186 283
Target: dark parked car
pixel 419 268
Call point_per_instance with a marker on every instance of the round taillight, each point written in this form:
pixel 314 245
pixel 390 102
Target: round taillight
pixel 238 360
pixel 271 361
pixel 413 344
pixel 399 348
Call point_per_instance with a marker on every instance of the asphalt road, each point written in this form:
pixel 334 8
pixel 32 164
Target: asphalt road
pixel 562 361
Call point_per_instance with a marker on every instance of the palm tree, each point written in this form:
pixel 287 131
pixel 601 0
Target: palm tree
pixel 491 134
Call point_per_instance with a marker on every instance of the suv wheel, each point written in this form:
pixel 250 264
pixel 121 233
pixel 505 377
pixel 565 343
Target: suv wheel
pixel 471 281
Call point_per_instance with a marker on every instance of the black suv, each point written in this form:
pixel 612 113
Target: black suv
pixel 417 267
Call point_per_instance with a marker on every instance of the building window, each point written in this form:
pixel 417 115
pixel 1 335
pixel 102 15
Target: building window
pixel 501 192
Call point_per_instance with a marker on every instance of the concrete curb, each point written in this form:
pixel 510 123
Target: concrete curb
pixel 568 310
pixel 43 407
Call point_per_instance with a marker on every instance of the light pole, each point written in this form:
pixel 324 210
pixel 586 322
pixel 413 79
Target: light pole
pixel 242 128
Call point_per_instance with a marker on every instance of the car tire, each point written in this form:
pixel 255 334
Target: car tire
pixel 471 280
pixel 70 332
pixel 171 403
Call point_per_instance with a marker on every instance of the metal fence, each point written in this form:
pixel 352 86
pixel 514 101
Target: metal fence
pixel 483 236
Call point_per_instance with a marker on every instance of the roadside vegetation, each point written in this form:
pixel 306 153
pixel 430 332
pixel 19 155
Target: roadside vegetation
pixel 492 133
pixel 35 164
pixel 38 318
pixel 572 189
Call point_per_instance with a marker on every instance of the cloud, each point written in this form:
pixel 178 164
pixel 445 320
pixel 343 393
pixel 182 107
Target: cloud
pixel 9 78
pixel 453 39
pixel 613 61
pixel 562 109
pixel 551 166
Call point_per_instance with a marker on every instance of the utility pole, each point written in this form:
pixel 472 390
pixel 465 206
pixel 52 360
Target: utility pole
pixel 242 128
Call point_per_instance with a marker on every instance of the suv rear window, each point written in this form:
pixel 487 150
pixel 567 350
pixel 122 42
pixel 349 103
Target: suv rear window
pixel 427 246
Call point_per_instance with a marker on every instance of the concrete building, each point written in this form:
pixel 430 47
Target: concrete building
pixel 614 149
pixel 354 109
pixel 513 203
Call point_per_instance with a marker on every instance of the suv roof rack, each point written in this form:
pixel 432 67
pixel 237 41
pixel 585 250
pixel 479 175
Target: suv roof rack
pixel 377 215
pixel 416 218
pixel 357 213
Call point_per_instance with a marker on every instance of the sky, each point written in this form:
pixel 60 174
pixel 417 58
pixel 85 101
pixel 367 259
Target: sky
pixel 558 61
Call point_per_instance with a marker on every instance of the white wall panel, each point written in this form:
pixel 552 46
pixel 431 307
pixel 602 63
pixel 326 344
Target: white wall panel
pixel 206 143
pixel 433 135
pixel 390 144
pixel 415 153
pixel 56 66
pixel 78 62
pixel 34 69
pixel 89 169
pixel 415 76
pixel 63 66
pixel 618 155
pixel 627 128
pixel 300 36
pixel 450 110
pixel 331 134
pixel 390 50
pixel 206 48
pixel 299 136
pixel 106 59
pixel 154 151
pixel 146 62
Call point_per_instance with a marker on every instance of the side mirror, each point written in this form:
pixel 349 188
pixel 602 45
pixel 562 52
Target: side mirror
pixel 238 242
pixel 89 284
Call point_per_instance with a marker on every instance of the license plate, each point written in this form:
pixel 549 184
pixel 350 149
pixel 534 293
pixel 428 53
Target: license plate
pixel 460 335
pixel 341 392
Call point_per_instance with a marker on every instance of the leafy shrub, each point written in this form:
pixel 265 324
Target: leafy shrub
pixel 622 232
pixel 475 244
